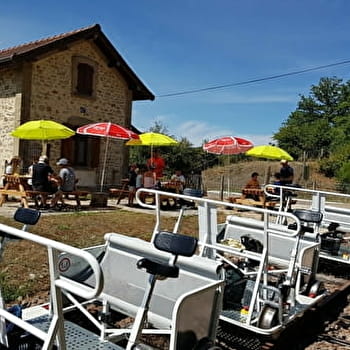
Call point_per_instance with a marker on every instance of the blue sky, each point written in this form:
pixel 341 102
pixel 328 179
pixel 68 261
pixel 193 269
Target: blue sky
pixel 176 46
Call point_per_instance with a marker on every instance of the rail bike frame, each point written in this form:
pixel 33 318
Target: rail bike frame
pixel 335 208
pixel 298 261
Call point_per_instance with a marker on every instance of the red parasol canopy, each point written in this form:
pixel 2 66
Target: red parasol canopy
pixel 228 145
pixel 108 130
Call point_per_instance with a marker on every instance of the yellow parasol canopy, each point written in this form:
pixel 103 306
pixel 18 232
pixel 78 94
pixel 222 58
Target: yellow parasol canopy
pixel 43 130
pixel 269 152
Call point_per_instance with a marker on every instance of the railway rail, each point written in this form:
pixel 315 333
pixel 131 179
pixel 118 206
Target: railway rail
pixel 326 322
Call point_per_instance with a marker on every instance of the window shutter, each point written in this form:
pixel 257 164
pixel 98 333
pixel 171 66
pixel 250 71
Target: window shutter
pixel 85 79
pixel 67 149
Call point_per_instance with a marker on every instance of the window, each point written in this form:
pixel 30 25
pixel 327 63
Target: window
pixel 84 73
pixel 82 151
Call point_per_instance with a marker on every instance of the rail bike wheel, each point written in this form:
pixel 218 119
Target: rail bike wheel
pixel 268 317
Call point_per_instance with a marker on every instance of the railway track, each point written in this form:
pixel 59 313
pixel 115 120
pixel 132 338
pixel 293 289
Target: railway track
pixel 325 323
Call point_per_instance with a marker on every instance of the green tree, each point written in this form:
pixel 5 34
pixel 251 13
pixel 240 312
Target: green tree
pixel 312 128
pixel 343 175
pixel 181 156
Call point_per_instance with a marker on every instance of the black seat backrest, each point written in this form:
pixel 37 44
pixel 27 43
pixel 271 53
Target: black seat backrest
pixel 308 215
pixel 27 216
pixel 176 244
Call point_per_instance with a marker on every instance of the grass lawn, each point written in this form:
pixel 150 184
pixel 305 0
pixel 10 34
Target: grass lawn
pixel 24 267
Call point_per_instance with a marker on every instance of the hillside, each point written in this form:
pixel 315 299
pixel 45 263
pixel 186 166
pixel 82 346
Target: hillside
pixel 236 175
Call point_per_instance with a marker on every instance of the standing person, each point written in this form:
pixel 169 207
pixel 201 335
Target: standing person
pixel 132 184
pixel 286 172
pixel 42 178
pixel 158 163
pixel 139 178
pixel 66 181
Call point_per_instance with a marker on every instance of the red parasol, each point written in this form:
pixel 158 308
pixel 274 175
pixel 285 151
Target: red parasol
pixel 109 130
pixel 228 145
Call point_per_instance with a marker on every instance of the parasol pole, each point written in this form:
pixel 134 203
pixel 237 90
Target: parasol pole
pixel 104 165
pixel 43 148
pixel 105 158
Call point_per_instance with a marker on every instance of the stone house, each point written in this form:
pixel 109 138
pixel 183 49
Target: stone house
pixel 74 78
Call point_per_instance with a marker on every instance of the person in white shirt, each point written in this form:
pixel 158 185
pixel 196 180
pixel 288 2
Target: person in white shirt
pixel 178 178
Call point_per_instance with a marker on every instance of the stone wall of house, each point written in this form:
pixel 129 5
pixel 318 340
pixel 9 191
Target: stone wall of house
pixel 10 102
pixel 51 97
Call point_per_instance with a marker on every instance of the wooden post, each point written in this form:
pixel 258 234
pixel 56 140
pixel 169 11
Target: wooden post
pixel 222 187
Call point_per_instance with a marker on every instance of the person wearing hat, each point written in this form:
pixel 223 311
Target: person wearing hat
pixel 66 181
pixel 43 177
pixel 286 172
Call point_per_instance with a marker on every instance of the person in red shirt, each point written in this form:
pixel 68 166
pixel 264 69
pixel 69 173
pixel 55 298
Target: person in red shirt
pixel 157 163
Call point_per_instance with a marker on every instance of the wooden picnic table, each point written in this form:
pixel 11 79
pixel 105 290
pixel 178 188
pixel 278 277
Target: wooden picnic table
pixel 15 186
pixel 253 196
pixel 172 186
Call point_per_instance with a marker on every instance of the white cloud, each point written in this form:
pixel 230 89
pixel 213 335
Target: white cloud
pixel 196 132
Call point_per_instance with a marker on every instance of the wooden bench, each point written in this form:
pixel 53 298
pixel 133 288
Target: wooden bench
pixel 78 195
pixel 36 196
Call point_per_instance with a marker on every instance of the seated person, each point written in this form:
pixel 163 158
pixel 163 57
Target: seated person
pixel 179 179
pixel 43 178
pixel 149 178
pixel 275 190
pixel 66 181
pixel 251 184
pixel 277 182
pixel 30 172
pixel 13 167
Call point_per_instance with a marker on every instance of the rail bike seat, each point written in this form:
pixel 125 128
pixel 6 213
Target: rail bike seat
pixel 175 244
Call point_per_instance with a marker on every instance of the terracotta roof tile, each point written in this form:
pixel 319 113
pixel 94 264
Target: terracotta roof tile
pixel 13 55
pixel 27 47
